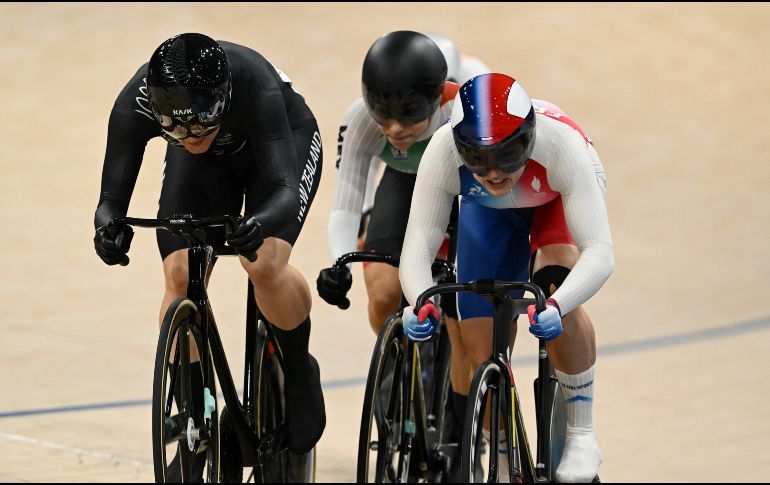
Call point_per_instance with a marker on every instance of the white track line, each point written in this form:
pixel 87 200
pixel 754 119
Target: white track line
pixel 80 452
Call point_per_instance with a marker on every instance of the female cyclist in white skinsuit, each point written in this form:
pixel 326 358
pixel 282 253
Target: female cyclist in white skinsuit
pixel 532 205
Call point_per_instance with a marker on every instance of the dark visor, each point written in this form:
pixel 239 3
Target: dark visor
pixel 406 109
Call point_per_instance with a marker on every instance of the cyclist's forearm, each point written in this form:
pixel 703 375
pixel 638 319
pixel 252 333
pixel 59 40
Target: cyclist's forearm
pixel 281 209
pixel 592 270
pixel 106 211
pixel 437 184
pixel 425 231
pixel 342 233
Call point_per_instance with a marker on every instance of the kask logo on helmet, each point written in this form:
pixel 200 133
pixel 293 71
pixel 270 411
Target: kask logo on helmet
pixel 182 112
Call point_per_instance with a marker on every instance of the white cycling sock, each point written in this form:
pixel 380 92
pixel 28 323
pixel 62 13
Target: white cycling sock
pixel 578 392
pixel 581 457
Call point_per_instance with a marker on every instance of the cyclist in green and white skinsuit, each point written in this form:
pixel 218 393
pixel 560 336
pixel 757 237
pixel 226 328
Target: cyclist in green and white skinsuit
pixel 392 125
pixel 406 99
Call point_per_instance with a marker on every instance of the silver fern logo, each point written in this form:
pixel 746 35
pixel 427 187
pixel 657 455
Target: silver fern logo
pixel 536 184
pixel 142 101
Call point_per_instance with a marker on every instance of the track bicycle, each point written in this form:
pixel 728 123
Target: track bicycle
pixel 403 433
pixel 493 401
pixel 212 444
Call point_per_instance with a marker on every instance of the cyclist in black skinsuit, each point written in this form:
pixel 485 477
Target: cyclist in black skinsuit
pixel 235 128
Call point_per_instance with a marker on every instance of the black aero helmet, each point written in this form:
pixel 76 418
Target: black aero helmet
pixel 188 85
pixel 403 77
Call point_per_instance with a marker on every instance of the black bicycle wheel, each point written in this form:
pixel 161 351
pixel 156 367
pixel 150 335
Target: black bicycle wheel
pixel 281 465
pixel 381 420
pixel 489 400
pixel 185 448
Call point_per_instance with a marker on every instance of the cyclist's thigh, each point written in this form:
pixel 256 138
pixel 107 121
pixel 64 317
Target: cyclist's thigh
pixel 307 141
pixel 382 282
pixel 390 214
pixel 551 242
pixel 200 185
pixel 491 243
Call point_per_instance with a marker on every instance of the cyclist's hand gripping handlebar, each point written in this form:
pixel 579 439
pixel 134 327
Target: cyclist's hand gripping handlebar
pixel 335 282
pixel 112 243
pixel 245 236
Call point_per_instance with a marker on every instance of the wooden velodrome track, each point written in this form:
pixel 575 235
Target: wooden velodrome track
pixel 675 98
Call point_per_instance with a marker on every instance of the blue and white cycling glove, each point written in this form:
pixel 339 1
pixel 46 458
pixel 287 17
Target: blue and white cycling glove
pixel 546 324
pixel 420 327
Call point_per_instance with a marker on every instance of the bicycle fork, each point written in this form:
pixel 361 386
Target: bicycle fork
pixel 413 412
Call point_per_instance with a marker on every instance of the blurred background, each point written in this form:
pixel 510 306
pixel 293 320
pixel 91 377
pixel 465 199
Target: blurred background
pixel 674 96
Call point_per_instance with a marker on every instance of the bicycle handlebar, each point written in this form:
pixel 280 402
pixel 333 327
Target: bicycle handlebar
pixel 186 225
pixel 439 265
pixel 490 287
pixel 364 257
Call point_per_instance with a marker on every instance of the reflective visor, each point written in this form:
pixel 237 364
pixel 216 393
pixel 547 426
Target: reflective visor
pixel 507 156
pixel 180 128
pixel 406 108
pixel 184 112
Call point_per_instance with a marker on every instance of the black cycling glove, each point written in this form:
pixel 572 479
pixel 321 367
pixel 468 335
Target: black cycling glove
pixel 333 286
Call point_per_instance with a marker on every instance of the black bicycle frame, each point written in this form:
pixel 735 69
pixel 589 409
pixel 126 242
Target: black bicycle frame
pixel 200 256
pixel 412 386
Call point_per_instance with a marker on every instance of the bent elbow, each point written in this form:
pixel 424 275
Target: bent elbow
pixel 608 254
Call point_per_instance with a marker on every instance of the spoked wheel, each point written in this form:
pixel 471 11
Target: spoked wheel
pixel 483 458
pixel 280 464
pixel 185 443
pixel 382 421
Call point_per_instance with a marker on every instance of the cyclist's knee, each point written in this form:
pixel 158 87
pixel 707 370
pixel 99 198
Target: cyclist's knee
pixel 383 288
pixel 272 260
pixel 264 271
pixel 175 272
pixel 477 340
pixel 383 302
pixel 477 355
pixel 549 278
